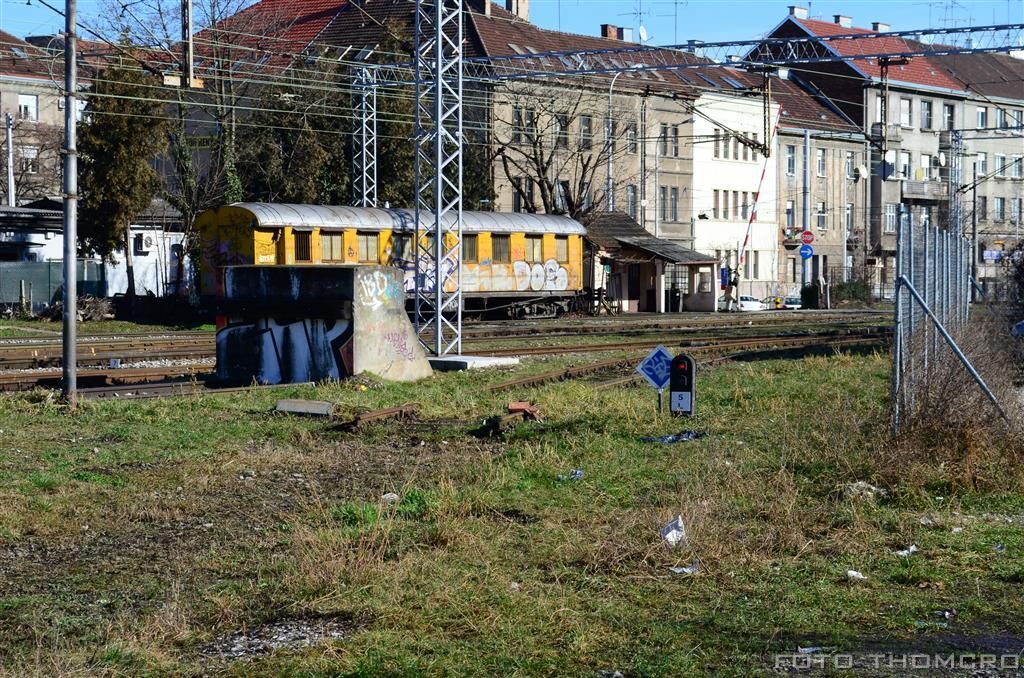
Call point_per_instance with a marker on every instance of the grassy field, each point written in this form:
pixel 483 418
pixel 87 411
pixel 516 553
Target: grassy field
pixel 136 538
pixel 23 329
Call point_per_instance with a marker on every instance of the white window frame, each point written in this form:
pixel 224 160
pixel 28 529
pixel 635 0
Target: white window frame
pixel 28 107
pixel 821 161
pixel 820 216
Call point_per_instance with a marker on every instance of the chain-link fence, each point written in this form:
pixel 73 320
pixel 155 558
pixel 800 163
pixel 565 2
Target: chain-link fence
pixel 932 300
pixel 40 283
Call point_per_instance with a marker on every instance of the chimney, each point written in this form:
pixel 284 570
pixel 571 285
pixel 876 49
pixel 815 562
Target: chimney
pixel 626 34
pixel 797 12
pixel 844 21
pixel 609 32
pixel 521 8
pixel 487 7
pixel 879 27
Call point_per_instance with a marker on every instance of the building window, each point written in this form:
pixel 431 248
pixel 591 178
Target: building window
pixel 631 201
pixel 791 269
pixel 714 210
pixel 673 204
pixel 746 149
pixel 1000 165
pixel 926 114
pixel 891 215
pixel 820 155
pixel 561 130
pixel 725 204
pixel 675 141
pixel 904 164
pixel 302 248
pixel 906 112
pixel 469 247
pixel 718 141
pixel 534 249
pixel 562 248
pixel 743 205
pixel 735 204
pixel 523 125
pixel 631 137
pixel 791 160
pixel 753 151
pixel 982 164
pixel 820 215
pixel 982 208
pixel 735 148
pixel 1001 121
pixel 848 214
pixel 368 252
pixel 850 160
pixel 1015 167
pixel 948 116
pixel 522 194
pixel 501 252
pixel 663 202
pixel 725 145
pixel 28 107
pixel 562 195
pixel 982 119
pixel 926 167
pixel 663 141
pixel 332 246
pixel 28 159
pixel 586 132
pixel 1015 210
pixel 999 209
pixel 790 215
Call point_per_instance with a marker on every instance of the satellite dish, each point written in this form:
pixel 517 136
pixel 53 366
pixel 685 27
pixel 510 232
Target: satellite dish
pixel 643 33
pixel 860 171
pixel 890 157
pixel 942 159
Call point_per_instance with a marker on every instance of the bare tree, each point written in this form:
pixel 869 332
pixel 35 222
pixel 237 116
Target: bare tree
pixel 37 171
pixel 554 145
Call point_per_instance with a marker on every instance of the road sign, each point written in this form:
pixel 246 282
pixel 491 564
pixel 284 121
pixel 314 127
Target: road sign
pixel 682 382
pixel 656 368
pixel 806 252
pixel 807 237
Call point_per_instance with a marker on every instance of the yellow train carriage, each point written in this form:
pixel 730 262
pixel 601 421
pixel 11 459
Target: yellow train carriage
pixel 524 258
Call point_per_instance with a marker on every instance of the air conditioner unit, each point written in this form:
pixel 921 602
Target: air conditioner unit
pixel 142 244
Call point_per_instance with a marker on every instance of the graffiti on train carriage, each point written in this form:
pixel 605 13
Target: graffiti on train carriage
pixel 547 276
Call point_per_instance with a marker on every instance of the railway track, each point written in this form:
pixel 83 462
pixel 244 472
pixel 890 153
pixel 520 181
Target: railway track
pixel 192 378
pixel 96 351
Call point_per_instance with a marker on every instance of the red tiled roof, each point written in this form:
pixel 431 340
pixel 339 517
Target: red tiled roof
pixel 19 58
pixel 920 70
pixel 803 109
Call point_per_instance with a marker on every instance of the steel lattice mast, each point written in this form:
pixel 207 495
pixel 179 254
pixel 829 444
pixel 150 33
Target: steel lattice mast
pixel 438 184
pixel 364 156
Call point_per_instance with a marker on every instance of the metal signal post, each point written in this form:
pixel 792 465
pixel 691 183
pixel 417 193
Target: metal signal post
pixel 69 384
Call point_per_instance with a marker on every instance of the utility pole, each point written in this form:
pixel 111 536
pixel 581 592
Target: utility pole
pixel 804 268
pixel 11 194
pixel 70 380
pixel 187 53
pixel 974 234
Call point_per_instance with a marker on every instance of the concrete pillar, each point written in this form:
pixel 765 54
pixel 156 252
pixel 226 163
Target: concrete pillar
pixel 659 286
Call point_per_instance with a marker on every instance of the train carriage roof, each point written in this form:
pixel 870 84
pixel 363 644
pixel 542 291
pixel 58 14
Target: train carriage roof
pixel 308 217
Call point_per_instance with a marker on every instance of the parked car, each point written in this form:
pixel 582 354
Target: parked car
pixel 747 303
pixel 792 303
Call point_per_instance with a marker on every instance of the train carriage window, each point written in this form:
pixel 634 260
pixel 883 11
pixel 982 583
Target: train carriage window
pixel 501 252
pixel 368 252
pixel 331 246
pixel 401 247
pixel 469 249
pixel 303 251
pixel 534 249
pixel 562 248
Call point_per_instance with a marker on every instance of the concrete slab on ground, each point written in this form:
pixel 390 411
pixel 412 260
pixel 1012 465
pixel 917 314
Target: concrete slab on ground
pixel 458 363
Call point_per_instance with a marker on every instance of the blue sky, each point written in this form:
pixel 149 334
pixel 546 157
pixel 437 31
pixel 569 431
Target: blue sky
pixel 666 21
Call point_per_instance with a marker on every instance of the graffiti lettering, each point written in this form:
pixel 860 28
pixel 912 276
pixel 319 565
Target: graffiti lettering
pixel 547 276
pixel 400 342
pixel 271 351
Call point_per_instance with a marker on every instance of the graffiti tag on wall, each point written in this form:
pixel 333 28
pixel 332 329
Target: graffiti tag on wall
pixel 272 351
pixel 379 289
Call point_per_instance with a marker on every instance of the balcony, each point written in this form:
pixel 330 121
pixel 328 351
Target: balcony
pixel 925 190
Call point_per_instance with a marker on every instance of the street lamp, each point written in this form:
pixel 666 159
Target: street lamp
pixel 609 194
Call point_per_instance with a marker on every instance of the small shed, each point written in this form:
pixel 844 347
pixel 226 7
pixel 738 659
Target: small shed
pixel 638 272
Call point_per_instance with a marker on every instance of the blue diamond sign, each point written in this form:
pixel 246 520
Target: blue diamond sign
pixel 656 368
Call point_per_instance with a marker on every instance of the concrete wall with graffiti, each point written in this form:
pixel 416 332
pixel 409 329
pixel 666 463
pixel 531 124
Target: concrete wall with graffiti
pixel 346 320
